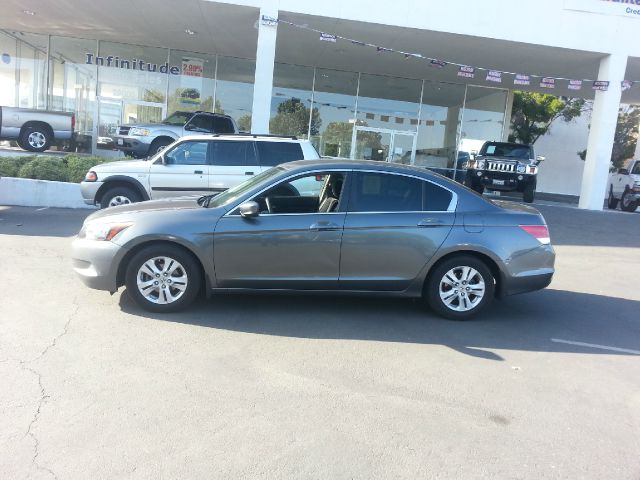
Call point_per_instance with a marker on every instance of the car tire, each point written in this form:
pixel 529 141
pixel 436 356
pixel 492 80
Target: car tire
pixel 627 205
pixel 163 278
pixel 612 202
pixel 120 195
pixel 464 298
pixel 529 193
pixel 35 138
pixel 159 144
pixel 476 188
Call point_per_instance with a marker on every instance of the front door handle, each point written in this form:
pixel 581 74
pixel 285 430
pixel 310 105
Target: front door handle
pixel 324 226
pixel 198 172
pixel 431 222
pixel 248 173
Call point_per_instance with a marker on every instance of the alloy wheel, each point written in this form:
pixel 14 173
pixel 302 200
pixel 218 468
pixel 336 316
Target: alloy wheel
pixel 462 289
pixel 162 280
pixel 36 139
pixel 119 200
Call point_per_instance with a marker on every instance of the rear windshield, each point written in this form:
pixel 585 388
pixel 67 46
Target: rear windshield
pixel 508 150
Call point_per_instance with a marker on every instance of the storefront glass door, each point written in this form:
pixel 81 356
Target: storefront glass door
pixel 383 145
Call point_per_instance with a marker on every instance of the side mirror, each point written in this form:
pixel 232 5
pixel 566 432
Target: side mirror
pixel 540 158
pixel 249 209
pixel 623 171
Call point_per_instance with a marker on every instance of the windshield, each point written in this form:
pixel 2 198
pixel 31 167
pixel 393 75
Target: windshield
pixel 177 118
pixel 239 190
pixel 509 150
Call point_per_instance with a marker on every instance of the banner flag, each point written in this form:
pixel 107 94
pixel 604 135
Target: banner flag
pixel 548 82
pixel 522 80
pixel 467 72
pixel 494 76
pixel 601 85
pixel 575 85
pixel 327 37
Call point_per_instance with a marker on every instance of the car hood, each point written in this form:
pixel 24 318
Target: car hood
pixel 504 159
pixel 148 125
pixel 123 166
pixel 151 206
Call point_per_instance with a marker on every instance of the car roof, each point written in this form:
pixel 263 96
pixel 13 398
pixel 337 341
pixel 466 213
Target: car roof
pixel 244 136
pixel 360 165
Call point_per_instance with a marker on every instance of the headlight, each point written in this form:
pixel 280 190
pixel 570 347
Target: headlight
pixel 102 231
pixel 139 132
pixel 480 164
pixel 522 168
pixel 91 176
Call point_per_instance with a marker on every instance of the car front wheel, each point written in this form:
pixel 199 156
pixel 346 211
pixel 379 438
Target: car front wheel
pixel 460 287
pixel 628 204
pixel 119 196
pixel 163 278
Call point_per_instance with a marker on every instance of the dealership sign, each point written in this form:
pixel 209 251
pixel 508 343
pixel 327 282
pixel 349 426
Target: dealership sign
pixel 625 8
pixel 130 64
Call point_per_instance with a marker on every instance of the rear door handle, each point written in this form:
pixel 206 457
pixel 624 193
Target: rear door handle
pixel 324 226
pixel 248 173
pixel 431 222
pixel 198 171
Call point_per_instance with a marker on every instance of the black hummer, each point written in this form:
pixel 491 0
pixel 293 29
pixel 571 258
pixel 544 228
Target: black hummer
pixel 504 167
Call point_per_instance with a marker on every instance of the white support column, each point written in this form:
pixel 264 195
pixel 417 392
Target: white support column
pixel 604 119
pixel 506 127
pixel 263 83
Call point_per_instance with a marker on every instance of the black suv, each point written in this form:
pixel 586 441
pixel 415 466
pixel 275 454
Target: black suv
pixel 505 167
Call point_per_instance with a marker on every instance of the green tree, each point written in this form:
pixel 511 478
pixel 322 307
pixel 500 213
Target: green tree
pixel 293 119
pixel 244 123
pixel 625 138
pixel 533 113
pixel 337 138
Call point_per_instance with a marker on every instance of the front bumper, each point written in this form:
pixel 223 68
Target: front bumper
pixel 96 263
pixel 89 191
pixel 500 180
pixel 133 145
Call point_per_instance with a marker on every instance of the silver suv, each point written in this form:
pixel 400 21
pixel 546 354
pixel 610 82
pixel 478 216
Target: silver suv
pixel 144 139
pixel 196 165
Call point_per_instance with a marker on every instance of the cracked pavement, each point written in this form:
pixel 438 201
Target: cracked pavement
pixel 276 387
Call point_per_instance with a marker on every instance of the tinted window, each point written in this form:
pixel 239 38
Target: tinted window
pixel 378 192
pixel 201 123
pixel 187 153
pixel 223 125
pixel 436 199
pixel 275 153
pixel 510 150
pixel 241 154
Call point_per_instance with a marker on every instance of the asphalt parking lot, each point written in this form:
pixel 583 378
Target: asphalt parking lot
pixel 543 385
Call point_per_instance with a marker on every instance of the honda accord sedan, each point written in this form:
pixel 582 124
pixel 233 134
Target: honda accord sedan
pixel 321 226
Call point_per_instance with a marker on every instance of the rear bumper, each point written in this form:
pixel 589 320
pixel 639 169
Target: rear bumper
pixel 529 271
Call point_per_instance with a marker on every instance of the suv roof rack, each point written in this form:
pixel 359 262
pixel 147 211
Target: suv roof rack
pixel 254 135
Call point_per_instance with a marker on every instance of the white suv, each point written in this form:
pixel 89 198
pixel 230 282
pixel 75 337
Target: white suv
pixel 196 165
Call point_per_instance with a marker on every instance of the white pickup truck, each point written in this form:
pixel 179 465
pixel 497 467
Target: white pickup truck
pixel 624 187
pixel 35 130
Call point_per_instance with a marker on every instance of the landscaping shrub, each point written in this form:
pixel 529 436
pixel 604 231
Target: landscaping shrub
pixel 45 168
pixel 10 166
pixel 78 166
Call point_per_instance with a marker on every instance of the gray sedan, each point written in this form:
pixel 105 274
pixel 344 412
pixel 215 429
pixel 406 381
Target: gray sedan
pixel 321 226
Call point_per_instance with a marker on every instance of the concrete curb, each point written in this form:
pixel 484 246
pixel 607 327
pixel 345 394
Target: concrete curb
pixel 40 193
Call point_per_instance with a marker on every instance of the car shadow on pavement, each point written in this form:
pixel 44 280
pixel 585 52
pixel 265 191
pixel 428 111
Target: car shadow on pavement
pixel 526 322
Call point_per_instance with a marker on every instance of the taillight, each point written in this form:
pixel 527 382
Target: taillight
pixel 541 232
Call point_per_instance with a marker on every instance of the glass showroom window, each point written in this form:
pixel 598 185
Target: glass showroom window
pixel 484 112
pixel 440 116
pixel 334 99
pixel 193 89
pixel 30 64
pixel 72 85
pixel 8 70
pixel 291 102
pixel 234 89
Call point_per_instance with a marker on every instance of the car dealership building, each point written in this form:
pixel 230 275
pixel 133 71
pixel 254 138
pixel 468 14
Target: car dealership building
pixel 422 82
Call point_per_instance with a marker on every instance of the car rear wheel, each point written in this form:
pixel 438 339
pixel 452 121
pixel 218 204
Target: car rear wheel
pixel 163 278
pixel 460 287
pixel 627 204
pixel 119 196
pixel 35 139
pixel 478 188
pixel 612 202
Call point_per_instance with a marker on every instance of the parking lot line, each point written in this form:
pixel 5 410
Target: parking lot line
pixel 601 347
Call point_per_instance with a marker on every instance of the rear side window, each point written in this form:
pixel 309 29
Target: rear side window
pixel 275 153
pixel 222 125
pixel 381 192
pixel 200 123
pixel 240 154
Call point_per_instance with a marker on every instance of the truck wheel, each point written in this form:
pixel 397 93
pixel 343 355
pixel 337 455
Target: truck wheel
pixel 158 145
pixel 529 193
pixel 477 188
pixel 627 204
pixel 119 196
pixel 35 138
pixel 612 202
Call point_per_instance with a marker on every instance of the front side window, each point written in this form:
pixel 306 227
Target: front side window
pixel 233 153
pixel 382 192
pixel 177 118
pixel 275 153
pixel 187 153
pixel 636 169
pixel 312 193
